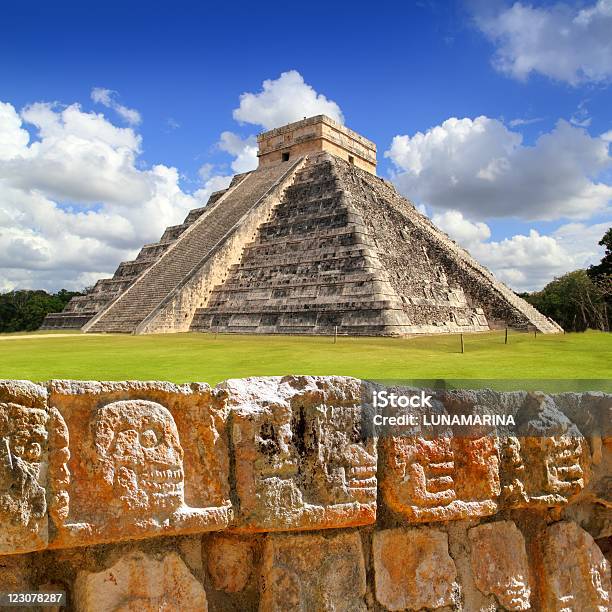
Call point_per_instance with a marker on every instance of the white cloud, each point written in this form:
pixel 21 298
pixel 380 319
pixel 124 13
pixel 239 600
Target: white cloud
pixel 80 157
pixel 244 153
pixel 205 171
pixel 482 168
pixel 461 229
pixel 106 97
pixel 217 182
pixel 73 203
pixel 77 199
pixel 13 138
pixel 281 101
pixel 284 100
pixel 562 42
pixel 527 262
pixel 581 118
pixel 243 150
pixel 519 121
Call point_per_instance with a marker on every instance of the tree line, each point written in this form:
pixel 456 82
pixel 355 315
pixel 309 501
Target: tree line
pixel 581 299
pixel 24 310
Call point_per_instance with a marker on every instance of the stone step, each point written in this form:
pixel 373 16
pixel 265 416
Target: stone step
pixel 193 246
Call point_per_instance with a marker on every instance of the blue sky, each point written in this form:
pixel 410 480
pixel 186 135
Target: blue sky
pixel 169 78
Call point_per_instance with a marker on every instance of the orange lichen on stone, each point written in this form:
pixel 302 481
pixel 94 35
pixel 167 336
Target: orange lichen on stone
pixel 313 572
pixel 140 583
pixel 576 574
pixel 230 562
pixel 413 569
pixel 440 479
pixel 499 563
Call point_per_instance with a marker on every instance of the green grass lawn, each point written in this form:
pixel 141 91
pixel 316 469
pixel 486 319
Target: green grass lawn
pixel 203 357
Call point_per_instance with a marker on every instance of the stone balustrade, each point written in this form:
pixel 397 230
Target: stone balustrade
pixel 281 494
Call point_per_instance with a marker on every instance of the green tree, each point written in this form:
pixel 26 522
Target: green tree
pixel 24 310
pixel 575 301
pixel 604 268
pixel 601 274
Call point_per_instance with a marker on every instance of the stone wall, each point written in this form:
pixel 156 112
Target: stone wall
pixel 280 494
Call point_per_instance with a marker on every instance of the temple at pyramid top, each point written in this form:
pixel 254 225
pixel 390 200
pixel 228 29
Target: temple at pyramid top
pixel 311 242
pixel 314 135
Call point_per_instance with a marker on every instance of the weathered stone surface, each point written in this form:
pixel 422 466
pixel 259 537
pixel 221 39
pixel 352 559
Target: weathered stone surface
pixel 440 479
pixel 14 574
pixel 164 297
pixel 229 562
pixel 133 460
pixel 140 583
pixel 114 462
pixel 499 563
pixel 313 572
pixel 304 458
pixel 576 574
pixel 548 463
pixel 412 568
pixel 23 467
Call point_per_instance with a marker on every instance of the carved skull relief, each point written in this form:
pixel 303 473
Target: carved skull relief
pixel 318 449
pixel 337 463
pixel 140 456
pixel 441 479
pixel 23 442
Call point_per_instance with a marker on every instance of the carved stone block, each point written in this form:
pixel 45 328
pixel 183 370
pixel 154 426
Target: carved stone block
pixel 576 574
pixel 440 479
pixel 23 467
pixel 499 563
pixel 548 463
pixel 304 456
pixel 132 460
pixel 140 583
pixel 413 569
pixel 313 572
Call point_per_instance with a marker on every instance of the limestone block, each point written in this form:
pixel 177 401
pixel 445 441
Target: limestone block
pixel 499 563
pixel 140 583
pixel 132 460
pixel 23 467
pixel 413 569
pixel 229 562
pixel 304 455
pixel 313 572
pixel 548 463
pixel 440 479
pixel 15 573
pixel 576 574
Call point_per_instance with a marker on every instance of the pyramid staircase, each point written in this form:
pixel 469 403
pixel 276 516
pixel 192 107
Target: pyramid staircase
pixel 315 245
pixel 82 308
pixel 187 253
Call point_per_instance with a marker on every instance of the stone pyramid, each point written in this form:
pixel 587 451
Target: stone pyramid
pixel 312 242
